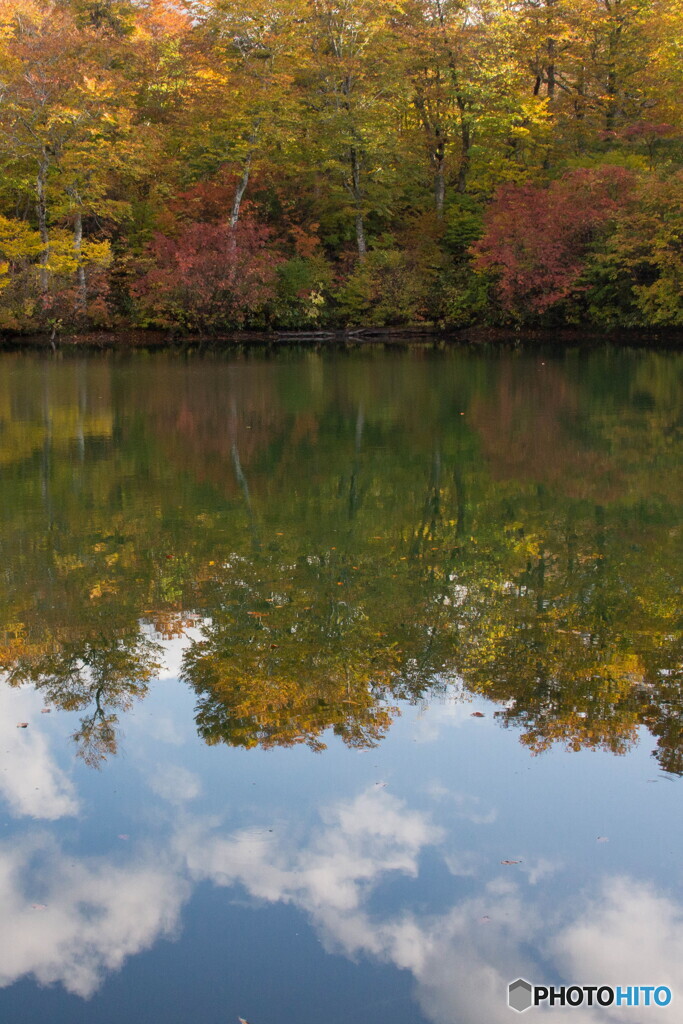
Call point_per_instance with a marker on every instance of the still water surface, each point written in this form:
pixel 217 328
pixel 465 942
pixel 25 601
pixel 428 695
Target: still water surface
pixel 352 685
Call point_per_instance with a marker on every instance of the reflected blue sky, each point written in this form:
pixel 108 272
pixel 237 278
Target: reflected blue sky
pixel 284 884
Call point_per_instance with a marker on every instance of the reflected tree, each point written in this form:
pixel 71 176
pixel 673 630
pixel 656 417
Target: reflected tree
pixel 350 540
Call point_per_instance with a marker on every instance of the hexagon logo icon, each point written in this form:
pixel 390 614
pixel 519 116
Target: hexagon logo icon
pixel 520 995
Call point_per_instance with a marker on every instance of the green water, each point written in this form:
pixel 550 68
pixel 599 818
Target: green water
pixel 359 532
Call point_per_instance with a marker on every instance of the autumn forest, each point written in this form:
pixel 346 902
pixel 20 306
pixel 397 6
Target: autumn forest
pixel 212 165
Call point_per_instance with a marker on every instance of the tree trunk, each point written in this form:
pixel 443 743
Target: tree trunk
pixel 358 198
pixel 439 160
pixel 550 70
pixel 466 142
pixel 240 190
pixel 41 212
pixel 551 50
pixel 82 299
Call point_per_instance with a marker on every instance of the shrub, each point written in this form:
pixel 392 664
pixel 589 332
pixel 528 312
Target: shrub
pixel 209 277
pixel 537 240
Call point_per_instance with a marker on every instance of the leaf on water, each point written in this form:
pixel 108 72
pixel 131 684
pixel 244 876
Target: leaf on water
pixel 242 1020
pixel 38 906
pixel 45 711
pixel 602 839
pixel 22 725
pixel 477 714
pixel 123 836
pixel 258 615
pixel 485 918
pixel 511 862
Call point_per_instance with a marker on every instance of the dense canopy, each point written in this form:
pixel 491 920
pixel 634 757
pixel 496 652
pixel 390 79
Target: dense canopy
pixel 213 164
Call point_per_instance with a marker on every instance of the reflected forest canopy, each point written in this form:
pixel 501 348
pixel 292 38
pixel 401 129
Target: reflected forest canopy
pixel 330 538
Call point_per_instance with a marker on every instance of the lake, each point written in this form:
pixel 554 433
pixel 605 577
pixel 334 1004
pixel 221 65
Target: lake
pixel 339 687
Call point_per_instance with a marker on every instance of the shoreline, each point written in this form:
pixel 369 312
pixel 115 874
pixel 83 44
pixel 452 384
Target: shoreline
pixel 142 340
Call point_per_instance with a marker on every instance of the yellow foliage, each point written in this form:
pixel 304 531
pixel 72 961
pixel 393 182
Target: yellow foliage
pixel 18 241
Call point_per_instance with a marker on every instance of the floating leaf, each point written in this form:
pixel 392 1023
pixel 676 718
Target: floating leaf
pixel 22 725
pixel 511 862
pixel 603 839
pixel 477 714
pixel 123 836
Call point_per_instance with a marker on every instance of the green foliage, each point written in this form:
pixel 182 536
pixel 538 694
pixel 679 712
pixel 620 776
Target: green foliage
pixel 370 142
pixel 641 268
pixel 303 293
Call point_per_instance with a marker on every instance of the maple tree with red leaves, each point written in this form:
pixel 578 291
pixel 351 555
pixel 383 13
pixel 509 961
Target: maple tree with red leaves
pixel 209 275
pixel 537 238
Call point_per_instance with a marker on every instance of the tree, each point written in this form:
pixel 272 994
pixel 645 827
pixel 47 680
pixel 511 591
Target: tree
pixel 537 238
pixel 209 276
pixel 62 126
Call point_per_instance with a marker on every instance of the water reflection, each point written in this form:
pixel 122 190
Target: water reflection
pixel 351 535
pixel 74 917
pixel 31 782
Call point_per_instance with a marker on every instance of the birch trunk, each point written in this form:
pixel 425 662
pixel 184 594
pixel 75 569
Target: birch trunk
pixel 240 190
pixel 82 300
pixel 357 198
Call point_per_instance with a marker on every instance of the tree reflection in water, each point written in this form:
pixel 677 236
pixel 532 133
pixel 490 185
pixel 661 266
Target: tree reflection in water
pixel 351 534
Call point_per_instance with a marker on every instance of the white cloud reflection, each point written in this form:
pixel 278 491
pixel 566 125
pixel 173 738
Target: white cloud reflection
pixel 30 779
pixel 72 920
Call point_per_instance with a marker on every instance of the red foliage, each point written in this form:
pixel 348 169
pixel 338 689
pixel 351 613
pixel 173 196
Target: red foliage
pixel 207 201
pixel 537 239
pixel 209 276
pixel 648 131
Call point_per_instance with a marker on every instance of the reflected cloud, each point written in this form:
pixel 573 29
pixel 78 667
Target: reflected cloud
pixel 30 779
pixel 74 921
pixel 360 841
pixel 629 935
pixel 443 713
pixel 451 955
pixel 174 784
pixel 467 805
pixel 462 959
